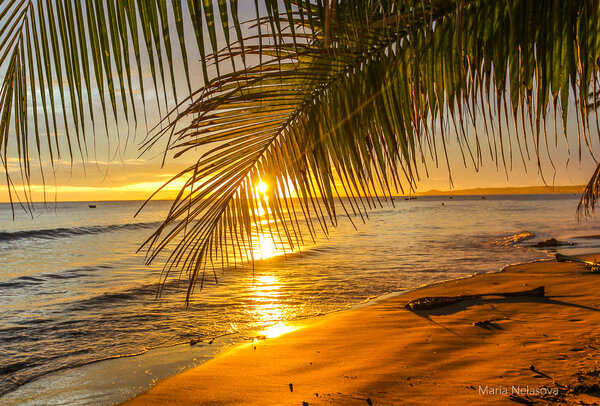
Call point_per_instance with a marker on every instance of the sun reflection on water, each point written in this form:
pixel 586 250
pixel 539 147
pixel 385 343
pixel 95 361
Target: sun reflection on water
pixel 267 306
pixel 262 244
pixel 265 248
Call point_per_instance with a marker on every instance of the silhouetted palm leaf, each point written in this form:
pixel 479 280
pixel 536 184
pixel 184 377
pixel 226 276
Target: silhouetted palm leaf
pixel 326 98
pixel 74 62
pixel 355 100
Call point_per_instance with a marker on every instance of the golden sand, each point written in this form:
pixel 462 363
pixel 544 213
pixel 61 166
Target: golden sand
pixel 383 354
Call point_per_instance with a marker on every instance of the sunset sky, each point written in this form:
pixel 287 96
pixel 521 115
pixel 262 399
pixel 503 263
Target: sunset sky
pixel 123 174
pixel 134 178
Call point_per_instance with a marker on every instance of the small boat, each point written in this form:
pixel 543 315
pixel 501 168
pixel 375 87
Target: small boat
pixel 482 197
pixel 92 206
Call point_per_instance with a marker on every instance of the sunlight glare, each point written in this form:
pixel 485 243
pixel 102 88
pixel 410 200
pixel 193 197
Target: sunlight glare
pixel 277 330
pixel 267 306
pixel 265 247
pixel 262 187
pixel 268 280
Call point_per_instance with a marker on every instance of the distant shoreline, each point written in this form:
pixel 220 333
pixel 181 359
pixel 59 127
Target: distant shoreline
pixel 525 190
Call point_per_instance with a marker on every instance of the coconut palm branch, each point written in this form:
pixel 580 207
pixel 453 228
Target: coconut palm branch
pixel 347 98
pixel 591 192
pixel 354 101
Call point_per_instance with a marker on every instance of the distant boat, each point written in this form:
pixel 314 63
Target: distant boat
pixel 450 197
pixel 92 206
pixel 482 197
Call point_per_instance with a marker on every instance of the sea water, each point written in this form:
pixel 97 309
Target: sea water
pixel 81 324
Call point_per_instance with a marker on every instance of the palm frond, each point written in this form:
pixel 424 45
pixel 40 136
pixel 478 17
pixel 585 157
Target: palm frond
pixel 77 67
pixel 347 99
pixel 358 97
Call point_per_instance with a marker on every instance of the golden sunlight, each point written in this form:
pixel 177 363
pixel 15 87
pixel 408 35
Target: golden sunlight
pixel 265 248
pixel 267 306
pixel 277 330
pixel 262 187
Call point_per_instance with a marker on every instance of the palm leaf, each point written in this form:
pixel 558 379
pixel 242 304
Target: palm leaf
pixel 352 103
pixel 347 98
pixel 56 56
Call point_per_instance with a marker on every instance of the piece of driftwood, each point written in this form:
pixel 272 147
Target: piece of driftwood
pixel 434 302
pixel 593 266
pixel 488 323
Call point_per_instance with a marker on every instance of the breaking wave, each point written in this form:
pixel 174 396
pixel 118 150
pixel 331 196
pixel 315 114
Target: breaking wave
pixel 64 232
pixel 512 239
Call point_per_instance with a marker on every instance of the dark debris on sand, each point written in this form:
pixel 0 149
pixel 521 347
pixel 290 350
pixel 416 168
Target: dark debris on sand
pixel 489 324
pixel 435 302
pixel 586 382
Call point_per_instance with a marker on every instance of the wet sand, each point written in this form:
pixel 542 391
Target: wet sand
pixel 528 350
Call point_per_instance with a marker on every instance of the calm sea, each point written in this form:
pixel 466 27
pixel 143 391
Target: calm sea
pixel 73 291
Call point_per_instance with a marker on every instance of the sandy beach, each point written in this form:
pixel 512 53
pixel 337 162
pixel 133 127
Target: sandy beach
pixel 530 351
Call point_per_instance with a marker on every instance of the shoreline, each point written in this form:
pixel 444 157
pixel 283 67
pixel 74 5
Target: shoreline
pixel 182 357
pixel 367 352
pixel 383 264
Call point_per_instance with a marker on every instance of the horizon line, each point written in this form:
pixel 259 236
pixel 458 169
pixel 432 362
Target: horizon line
pixel 487 191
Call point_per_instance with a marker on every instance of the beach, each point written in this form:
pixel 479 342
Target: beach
pixel 266 203
pixel 528 350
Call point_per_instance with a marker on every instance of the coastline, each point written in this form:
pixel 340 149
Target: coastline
pixel 121 378
pixel 542 348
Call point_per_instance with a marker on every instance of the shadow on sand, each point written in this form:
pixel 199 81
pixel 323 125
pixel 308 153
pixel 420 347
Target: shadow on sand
pixel 467 303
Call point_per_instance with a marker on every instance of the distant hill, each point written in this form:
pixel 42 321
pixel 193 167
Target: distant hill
pixel 505 191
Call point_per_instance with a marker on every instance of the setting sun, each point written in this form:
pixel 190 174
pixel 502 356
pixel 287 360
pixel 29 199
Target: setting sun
pixel 262 187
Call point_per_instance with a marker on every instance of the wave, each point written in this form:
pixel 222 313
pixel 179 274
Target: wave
pixel 64 232
pixel 511 240
pixel 39 279
pixel 20 283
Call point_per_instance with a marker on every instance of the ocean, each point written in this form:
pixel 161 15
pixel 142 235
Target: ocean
pixel 81 323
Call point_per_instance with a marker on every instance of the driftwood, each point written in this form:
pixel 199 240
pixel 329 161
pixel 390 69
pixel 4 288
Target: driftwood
pixel 434 302
pixel 488 323
pixel 593 266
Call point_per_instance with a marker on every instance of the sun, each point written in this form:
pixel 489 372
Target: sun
pixel 262 187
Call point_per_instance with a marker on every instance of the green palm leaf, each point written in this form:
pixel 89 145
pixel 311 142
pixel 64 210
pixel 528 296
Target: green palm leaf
pixel 350 105
pixel 332 98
